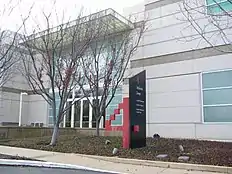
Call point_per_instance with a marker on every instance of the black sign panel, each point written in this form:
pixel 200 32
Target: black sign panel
pixel 137 107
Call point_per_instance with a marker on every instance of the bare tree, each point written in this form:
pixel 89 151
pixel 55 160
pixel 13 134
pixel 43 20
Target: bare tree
pixel 8 43
pixel 52 63
pixel 106 61
pixel 210 21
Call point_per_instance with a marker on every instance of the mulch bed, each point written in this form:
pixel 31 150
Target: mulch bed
pixel 200 152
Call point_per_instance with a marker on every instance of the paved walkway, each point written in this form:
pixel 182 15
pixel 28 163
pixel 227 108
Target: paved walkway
pixel 91 162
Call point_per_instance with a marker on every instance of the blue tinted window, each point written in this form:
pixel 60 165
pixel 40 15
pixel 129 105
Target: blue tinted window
pixel 218 114
pixel 117 121
pixel 217 79
pixel 217 96
pixel 218 6
pixel 114 105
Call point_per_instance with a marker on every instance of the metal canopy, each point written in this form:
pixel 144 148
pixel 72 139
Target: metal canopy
pixel 112 20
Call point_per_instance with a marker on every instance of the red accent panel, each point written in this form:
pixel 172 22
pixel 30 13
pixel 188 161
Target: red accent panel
pixel 107 124
pixel 136 128
pixel 120 106
pixel 112 117
pixel 117 111
pixel 116 128
pixel 126 120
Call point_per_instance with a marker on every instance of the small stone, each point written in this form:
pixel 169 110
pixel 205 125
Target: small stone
pixel 181 148
pixel 107 142
pixel 156 136
pixel 183 158
pixel 162 156
pixel 115 151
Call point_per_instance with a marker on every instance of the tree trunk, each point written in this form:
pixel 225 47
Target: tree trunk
pixel 54 135
pixel 97 127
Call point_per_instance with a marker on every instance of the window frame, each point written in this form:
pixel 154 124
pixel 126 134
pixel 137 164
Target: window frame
pixel 202 97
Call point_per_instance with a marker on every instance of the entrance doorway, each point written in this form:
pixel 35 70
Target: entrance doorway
pixel 81 115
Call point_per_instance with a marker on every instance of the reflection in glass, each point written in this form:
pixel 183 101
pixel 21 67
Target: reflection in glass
pixel 68 115
pixel 85 116
pixel 77 107
pixel 93 114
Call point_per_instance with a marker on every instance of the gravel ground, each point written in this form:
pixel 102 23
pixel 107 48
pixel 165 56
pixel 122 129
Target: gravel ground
pixel 200 152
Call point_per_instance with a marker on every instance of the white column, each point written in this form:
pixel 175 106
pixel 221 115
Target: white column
pixel 73 110
pixel 64 120
pixel 90 113
pixel 101 122
pixel 20 107
pixel 81 113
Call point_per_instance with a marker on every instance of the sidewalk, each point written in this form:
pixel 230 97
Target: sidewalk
pixel 77 159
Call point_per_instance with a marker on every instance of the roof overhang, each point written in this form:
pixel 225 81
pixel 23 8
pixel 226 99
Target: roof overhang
pixel 115 23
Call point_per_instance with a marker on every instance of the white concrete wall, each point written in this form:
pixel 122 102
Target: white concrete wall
pixel 34 109
pixel 17 80
pixel 169 32
pixel 10 108
pixel 38 110
pixel 174 99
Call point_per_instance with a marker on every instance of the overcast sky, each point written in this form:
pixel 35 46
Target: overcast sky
pixel 69 7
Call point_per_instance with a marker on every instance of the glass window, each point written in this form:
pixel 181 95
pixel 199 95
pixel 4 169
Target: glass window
pixel 50 109
pixel 217 96
pixel 218 114
pixel 50 120
pixel 218 6
pixel 77 112
pixel 223 79
pixel 117 121
pixel 114 105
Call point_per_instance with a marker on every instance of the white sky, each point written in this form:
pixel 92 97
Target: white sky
pixel 69 7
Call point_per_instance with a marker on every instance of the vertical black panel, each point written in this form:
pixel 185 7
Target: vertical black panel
pixel 137 107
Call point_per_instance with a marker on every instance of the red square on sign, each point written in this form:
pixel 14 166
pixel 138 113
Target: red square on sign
pixel 136 128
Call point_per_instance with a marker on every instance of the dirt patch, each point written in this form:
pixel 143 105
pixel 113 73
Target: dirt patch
pixel 200 152
pixel 2 156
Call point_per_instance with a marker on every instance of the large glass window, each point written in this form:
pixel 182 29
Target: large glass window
pixel 114 105
pixel 50 111
pixel 218 6
pixel 217 96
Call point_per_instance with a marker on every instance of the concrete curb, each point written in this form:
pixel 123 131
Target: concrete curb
pixel 9 162
pixel 172 165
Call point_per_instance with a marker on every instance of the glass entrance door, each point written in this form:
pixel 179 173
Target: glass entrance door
pixel 85 113
pixel 80 114
pixel 68 115
pixel 77 113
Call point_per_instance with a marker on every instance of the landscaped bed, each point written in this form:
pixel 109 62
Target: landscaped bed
pixel 200 152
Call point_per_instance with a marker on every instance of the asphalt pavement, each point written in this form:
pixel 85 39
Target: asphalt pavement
pixel 39 170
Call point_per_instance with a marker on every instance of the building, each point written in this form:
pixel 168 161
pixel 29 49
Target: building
pixel 188 82
pixel 29 109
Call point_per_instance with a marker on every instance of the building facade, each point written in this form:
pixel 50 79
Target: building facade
pixel 189 82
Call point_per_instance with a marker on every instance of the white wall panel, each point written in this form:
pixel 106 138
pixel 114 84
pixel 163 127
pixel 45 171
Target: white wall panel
pixel 172 130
